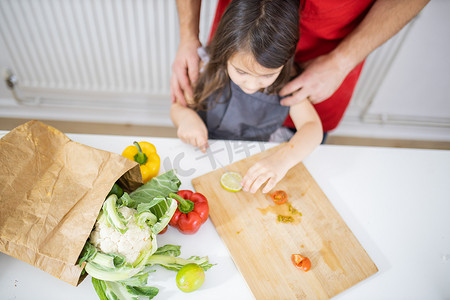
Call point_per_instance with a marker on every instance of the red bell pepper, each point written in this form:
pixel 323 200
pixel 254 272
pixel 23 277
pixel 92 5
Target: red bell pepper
pixel 192 211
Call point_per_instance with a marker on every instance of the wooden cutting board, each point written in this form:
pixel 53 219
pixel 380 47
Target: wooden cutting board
pixel 261 246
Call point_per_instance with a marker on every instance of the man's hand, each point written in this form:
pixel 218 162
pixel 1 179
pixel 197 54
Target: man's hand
pixel 185 65
pixel 184 71
pixel 324 74
pixel 321 77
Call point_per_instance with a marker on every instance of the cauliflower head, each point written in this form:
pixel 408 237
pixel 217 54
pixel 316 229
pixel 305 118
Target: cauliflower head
pixel 134 243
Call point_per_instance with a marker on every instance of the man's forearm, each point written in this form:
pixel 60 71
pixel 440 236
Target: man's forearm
pixel 189 17
pixel 384 19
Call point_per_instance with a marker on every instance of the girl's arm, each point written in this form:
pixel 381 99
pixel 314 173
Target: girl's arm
pixel 190 127
pixel 274 167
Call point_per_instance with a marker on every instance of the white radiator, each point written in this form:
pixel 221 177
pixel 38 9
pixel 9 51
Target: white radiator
pixel 100 56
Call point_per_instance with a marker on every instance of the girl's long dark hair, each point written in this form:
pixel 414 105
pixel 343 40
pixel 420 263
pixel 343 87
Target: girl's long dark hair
pixel 267 29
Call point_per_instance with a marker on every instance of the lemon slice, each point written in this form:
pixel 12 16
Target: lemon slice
pixel 231 181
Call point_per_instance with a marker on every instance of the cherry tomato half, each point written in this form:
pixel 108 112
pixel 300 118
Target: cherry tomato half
pixel 301 262
pixel 279 197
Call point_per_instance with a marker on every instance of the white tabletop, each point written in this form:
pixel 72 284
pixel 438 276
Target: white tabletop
pixel 396 202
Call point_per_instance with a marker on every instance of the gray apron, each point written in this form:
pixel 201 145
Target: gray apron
pixel 240 116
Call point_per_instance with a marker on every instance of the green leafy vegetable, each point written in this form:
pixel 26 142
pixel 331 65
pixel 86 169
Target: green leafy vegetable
pixel 159 186
pixel 146 291
pixel 166 257
pixel 146 252
pixel 176 263
pixel 107 290
pixel 108 260
pixel 112 215
pixel 87 253
pixel 117 190
pixel 138 280
pixel 168 250
pixel 146 218
pixel 100 288
pixel 126 200
pixel 122 247
pixel 111 274
pixel 162 208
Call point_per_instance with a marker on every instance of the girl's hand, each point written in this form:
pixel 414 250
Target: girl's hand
pixel 271 169
pixel 321 77
pixel 193 131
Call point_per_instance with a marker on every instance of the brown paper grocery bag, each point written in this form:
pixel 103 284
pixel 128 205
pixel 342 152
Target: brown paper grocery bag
pixel 51 191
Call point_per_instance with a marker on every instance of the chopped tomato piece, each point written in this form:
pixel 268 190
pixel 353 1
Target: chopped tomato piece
pixel 301 262
pixel 279 197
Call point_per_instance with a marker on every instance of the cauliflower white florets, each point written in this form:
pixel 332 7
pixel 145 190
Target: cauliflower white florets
pixel 129 244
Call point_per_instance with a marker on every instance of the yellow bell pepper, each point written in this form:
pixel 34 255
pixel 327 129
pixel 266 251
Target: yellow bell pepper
pixel 145 154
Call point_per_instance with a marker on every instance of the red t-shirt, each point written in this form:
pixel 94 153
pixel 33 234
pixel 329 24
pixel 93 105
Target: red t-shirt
pixel 323 25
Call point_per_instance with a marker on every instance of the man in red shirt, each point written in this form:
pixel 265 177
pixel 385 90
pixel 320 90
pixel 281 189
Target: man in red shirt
pixel 335 39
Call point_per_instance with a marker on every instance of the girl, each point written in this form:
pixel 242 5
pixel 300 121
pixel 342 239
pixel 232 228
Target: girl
pixel 250 58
